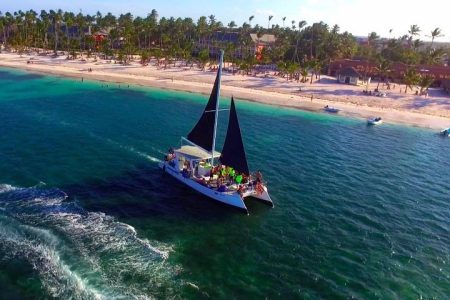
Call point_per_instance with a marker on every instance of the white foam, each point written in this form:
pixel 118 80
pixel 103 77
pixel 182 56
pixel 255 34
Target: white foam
pixel 4 188
pixel 103 248
pixel 29 243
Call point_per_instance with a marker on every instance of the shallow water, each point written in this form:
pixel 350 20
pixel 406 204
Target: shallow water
pixel 85 213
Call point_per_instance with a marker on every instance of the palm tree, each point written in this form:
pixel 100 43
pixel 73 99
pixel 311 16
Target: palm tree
pixel 437 32
pixel 250 20
pixel 301 24
pixel 384 68
pixel 411 78
pixel 417 44
pixel 292 67
pixel 268 24
pixel 304 73
pixel 68 20
pixel 413 31
pixel 434 57
pixel 284 19
pixel 231 25
pixel 315 65
pixel 2 27
pixel 202 29
pixel 56 20
pixel 372 42
pixel 203 57
pixel 425 82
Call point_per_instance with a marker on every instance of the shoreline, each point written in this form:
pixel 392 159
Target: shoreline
pixel 259 95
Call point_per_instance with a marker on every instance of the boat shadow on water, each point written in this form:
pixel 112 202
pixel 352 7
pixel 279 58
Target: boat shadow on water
pixel 147 192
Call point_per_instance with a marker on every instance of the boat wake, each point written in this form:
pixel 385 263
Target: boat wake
pixel 134 151
pixel 79 254
pixel 54 121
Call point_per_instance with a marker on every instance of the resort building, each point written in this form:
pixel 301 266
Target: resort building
pixel 223 40
pixel 350 76
pixel 397 70
pixel 261 42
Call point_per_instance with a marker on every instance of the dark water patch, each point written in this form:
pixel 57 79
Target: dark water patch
pixel 147 192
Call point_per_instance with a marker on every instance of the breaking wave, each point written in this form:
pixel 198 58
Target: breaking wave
pixel 79 254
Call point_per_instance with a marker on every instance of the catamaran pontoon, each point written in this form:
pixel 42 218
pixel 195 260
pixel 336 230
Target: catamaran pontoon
pixel 225 176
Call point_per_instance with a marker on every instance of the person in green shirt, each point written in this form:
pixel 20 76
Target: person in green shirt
pixel 238 178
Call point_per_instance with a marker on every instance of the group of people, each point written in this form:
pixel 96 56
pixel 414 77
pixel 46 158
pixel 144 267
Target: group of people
pixel 220 176
pixel 226 176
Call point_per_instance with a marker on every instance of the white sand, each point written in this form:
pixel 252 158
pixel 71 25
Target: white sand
pixel 432 112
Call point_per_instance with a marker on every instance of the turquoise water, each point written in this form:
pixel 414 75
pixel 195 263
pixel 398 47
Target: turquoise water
pixel 360 212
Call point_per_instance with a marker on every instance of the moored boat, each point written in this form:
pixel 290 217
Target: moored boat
pixel 331 109
pixel 375 121
pixel 224 176
pixel 445 132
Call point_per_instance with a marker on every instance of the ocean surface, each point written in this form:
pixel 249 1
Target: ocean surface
pixel 85 213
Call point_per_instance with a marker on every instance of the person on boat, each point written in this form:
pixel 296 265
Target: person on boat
pixel 223 172
pixel 238 179
pixel 241 190
pixel 231 173
pixel 222 188
pixel 258 176
pixel 259 188
pixel 244 178
pixel 203 181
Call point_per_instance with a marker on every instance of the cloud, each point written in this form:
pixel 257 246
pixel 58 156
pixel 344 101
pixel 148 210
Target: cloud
pixel 264 12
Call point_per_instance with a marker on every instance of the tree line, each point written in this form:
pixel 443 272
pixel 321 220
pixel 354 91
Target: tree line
pixel 299 47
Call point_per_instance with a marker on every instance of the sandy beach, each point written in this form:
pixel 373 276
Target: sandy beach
pixel 431 112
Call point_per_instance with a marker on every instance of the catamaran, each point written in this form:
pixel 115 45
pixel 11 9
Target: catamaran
pixel 224 176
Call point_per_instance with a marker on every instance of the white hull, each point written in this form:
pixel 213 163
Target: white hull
pixel 232 198
pixel 332 110
pixel 374 122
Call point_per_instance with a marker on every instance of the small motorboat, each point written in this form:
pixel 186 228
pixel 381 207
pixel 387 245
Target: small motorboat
pixel 331 109
pixel 445 132
pixel 375 121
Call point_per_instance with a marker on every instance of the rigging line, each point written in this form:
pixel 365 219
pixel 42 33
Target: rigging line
pixel 217 110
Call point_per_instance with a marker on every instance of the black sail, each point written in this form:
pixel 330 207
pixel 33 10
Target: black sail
pixel 233 152
pixel 203 132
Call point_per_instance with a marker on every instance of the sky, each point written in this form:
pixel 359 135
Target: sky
pixel 356 16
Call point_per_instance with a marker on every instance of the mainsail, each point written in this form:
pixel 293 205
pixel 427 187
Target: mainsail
pixel 203 132
pixel 233 152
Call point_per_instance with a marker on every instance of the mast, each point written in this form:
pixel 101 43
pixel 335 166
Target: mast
pixel 219 76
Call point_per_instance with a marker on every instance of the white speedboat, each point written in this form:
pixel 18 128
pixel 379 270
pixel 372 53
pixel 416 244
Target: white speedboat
pixel 445 132
pixel 331 109
pixel 225 176
pixel 375 121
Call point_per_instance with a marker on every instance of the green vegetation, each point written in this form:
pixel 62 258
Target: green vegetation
pixel 300 50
